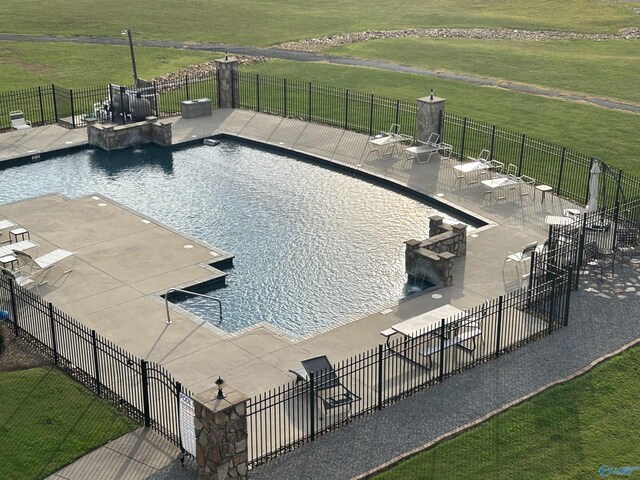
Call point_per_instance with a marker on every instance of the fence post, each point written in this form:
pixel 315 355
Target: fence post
pixel 178 386
pixel 346 109
pixel 309 106
pixel 499 326
pixel 580 260
pixel 73 113
pixel 441 366
pixel 145 393
pixel 493 140
pixel 552 305
pixel 464 133
pixel 96 366
pixel 41 106
pixel 312 405
pixel 371 117
pixel 155 98
pixel 380 376
pixel 522 143
pixel 55 103
pixel 257 92
pixel 284 85
pixel 54 342
pixel 186 86
pixel 562 159
pixel 397 122
pixel 14 306
pixel 567 297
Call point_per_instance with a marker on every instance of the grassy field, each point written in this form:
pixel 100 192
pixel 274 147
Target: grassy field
pixel 604 69
pixel 31 64
pixel 47 420
pixel 257 22
pixel 567 432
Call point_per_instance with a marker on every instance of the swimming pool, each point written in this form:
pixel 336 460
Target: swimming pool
pixel 313 247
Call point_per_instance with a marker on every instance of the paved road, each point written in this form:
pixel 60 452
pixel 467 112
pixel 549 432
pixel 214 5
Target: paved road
pixel 298 56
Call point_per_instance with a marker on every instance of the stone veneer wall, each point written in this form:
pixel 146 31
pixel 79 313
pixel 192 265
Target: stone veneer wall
pixel 114 137
pixel 433 258
pixel 428 116
pixel 227 89
pixel 221 435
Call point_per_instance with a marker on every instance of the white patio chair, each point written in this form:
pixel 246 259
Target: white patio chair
pixel 520 258
pixel 18 122
pixel 483 157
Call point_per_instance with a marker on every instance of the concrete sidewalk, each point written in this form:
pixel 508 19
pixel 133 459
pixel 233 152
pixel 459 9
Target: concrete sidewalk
pixel 134 456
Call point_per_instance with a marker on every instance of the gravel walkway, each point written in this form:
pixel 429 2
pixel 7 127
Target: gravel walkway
pixel 604 317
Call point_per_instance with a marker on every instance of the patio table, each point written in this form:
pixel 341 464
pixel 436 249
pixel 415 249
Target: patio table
pixel 427 322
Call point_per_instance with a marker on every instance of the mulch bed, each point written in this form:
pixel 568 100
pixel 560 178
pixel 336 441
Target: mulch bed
pixel 16 354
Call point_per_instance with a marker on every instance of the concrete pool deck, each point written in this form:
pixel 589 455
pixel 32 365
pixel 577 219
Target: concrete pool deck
pixel 124 264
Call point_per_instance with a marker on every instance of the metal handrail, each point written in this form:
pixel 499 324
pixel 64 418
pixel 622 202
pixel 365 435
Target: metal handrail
pixel 166 301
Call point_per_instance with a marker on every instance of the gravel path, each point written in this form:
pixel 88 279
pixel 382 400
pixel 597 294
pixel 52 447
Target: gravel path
pixel 303 51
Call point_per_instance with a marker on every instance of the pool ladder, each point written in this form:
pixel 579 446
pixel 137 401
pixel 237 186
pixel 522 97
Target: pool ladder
pixel 166 301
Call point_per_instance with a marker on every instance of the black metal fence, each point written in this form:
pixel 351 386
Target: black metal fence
pixel 293 414
pixel 144 390
pixel 71 107
pixel 565 170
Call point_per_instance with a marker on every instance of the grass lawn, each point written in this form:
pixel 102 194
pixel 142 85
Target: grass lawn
pixel 32 64
pixel 48 420
pixel 567 432
pixel 259 22
pixel 604 69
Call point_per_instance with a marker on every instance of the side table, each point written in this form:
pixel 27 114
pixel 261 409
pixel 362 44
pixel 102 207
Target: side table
pixel 19 233
pixel 544 189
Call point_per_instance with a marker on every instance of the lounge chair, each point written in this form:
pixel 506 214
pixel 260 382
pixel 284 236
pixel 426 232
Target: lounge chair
pixel 21 279
pixel 427 148
pixel 18 122
pixel 21 246
pixel 327 386
pixel 41 266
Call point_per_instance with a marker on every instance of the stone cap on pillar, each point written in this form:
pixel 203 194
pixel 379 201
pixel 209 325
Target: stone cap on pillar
pixel 428 99
pixel 209 398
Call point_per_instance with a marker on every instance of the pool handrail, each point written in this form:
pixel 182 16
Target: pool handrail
pixel 166 301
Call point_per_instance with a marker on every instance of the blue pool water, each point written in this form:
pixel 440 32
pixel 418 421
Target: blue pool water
pixel 313 247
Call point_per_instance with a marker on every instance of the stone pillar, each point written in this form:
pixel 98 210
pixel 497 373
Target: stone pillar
pixel 436 225
pixel 221 435
pixel 460 229
pixel 227 85
pixel 428 117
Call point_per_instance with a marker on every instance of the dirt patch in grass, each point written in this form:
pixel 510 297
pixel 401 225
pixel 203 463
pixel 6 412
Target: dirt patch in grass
pixel 15 353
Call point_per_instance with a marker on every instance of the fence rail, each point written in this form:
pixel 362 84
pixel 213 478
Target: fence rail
pixel 142 389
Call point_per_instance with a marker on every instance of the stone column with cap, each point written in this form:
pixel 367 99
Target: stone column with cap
pixel 226 68
pixel 221 435
pixel 430 110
